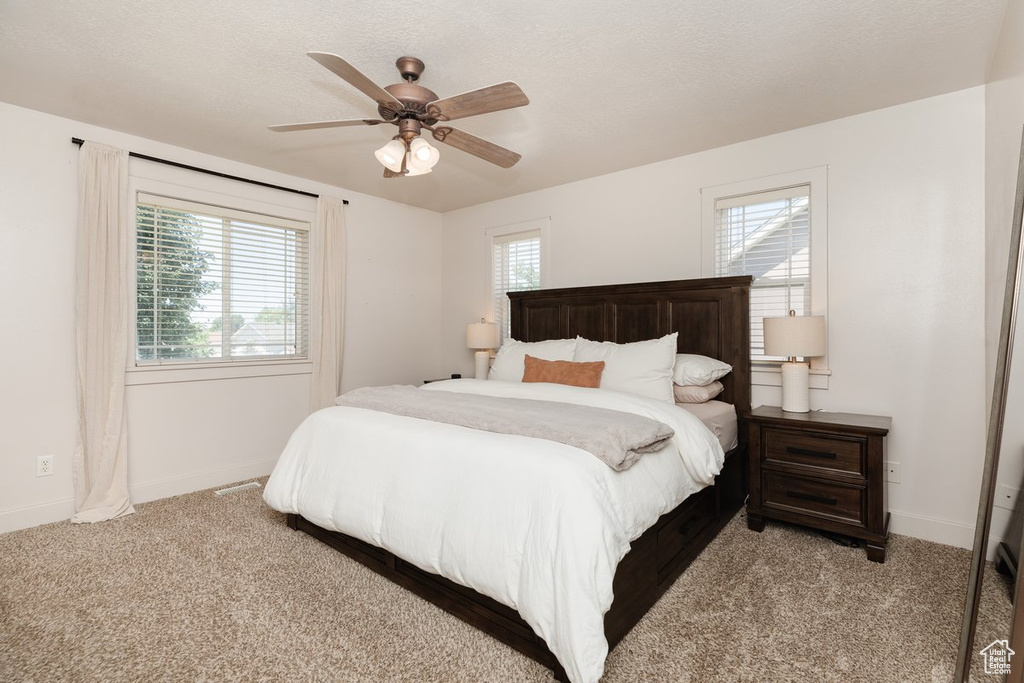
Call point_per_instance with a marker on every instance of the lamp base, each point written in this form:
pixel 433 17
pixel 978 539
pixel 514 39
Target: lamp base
pixel 483 364
pixel 796 387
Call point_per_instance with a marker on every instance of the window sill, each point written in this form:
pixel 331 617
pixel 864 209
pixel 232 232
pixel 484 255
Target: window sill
pixel 771 376
pixel 205 372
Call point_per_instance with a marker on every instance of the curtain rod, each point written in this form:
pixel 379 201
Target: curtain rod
pixel 176 164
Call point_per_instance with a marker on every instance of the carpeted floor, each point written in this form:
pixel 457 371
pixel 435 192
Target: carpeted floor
pixel 207 588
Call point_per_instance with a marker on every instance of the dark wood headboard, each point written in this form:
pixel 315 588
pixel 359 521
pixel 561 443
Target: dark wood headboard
pixel 711 315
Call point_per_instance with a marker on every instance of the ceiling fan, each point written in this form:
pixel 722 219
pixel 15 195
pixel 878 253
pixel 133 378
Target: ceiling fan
pixel 413 108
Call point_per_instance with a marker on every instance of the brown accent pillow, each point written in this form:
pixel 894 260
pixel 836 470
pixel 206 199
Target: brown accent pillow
pixel 563 372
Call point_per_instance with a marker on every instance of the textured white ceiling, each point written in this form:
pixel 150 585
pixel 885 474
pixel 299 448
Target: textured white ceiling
pixel 612 85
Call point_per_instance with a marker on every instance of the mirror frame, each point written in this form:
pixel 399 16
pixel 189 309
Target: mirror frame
pixel 996 418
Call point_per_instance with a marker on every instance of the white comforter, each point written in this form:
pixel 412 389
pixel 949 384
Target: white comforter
pixel 537 525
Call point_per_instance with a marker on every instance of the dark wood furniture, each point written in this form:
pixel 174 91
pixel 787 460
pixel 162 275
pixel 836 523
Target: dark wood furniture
pixel 823 470
pixel 455 375
pixel 712 318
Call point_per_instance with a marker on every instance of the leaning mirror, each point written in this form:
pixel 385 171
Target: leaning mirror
pixel 986 609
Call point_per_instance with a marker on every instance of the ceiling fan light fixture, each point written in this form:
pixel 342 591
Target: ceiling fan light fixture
pixel 390 155
pixel 422 153
pixel 412 107
pixel 412 168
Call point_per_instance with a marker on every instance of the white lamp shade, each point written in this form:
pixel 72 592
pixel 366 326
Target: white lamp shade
pixel 391 155
pixel 482 335
pixel 422 155
pixel 412 168
pixel 795 336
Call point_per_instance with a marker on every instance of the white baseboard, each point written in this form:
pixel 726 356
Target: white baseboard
pixel 34 515
pixel 60 510
pixel 165 488
pixel 938 531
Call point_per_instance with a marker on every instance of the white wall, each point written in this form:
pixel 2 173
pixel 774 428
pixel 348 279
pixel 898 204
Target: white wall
pixel 182 435
pixel 906 322
pixel 1004 120
pixel 906 240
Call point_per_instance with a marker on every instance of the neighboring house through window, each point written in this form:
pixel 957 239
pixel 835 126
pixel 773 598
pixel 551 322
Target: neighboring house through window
pixel 215 284
pixel 776 230
pixel 517 263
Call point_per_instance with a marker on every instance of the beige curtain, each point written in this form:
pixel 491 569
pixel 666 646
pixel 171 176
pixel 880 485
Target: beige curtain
pixel 327 314
pixel 101 308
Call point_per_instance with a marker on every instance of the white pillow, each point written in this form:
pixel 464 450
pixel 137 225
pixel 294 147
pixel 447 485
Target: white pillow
pixel 509 363
pixel 694 370
pixel 643 368
pixel 696 394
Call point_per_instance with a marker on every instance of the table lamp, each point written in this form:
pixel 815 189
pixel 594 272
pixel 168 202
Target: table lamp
pixel 482 336
pixel 795 337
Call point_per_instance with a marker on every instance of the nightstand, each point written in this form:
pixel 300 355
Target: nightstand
pixel 822 470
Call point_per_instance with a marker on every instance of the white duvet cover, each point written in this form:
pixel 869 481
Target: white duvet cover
pixel 537 525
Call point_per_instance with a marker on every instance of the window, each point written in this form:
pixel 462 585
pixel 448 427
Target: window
pixel 517 257
pixel 215 284
pixel 776 233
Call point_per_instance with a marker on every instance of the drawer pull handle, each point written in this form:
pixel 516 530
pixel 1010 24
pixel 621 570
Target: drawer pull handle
pixel 693 526
pixel 799 495
pixel 793 450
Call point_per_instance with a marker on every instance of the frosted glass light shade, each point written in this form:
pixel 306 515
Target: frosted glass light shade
pixel 795 336
pixel 391 155
pixel 412 168
pixel 482 335
pixel 423 154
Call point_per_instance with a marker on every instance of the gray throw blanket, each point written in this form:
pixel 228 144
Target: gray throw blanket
pixel 617 438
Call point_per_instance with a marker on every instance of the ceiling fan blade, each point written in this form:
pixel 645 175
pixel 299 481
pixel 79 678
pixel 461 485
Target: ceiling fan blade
pixel 506 95
pixel 356 78
pixel 488 151
pixel 287 127
pixel 388 173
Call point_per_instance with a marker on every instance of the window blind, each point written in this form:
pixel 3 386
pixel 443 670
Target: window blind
pixel 516 266
pixel 218 284
pixel 767 235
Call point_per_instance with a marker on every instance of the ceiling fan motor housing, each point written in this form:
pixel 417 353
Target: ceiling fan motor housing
pixel 414 98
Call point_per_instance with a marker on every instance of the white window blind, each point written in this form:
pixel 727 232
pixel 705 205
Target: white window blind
pixel 215 284
pixel 516 266
pixel 767 235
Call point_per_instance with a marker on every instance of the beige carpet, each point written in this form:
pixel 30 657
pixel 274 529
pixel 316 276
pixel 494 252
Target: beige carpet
pixel 206 588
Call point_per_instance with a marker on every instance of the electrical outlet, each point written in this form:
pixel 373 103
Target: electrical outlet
pixel 893 471
pixel 44 465
pixel 1006 497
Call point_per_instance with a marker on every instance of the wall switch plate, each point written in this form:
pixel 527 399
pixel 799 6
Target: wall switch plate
pixel 1006 497
pixel 893 472
pixel 44 465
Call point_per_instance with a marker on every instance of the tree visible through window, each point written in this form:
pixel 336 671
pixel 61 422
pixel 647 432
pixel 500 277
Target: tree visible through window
pixel 171 266
pixel 218 284
pixel 516 266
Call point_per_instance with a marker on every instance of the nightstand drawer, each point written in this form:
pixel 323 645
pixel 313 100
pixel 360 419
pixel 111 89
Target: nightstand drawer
pixel 814 450
pixel 807 496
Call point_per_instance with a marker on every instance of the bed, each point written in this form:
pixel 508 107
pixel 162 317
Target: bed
pixel 711 318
